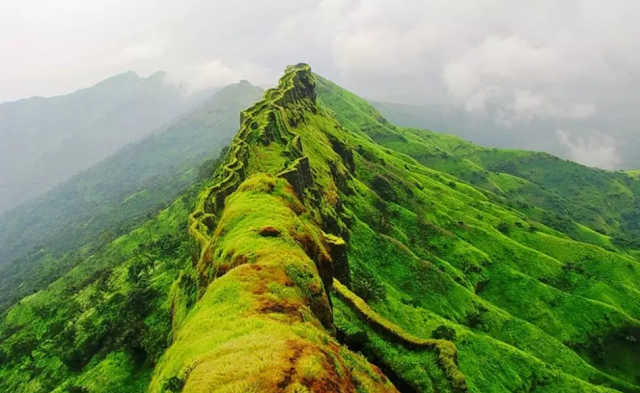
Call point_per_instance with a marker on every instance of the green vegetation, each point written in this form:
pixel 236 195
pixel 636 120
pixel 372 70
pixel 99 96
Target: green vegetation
pixel 458 250
pixel 264 322
pixel 334 251
pixel 446 351
pixel 100 327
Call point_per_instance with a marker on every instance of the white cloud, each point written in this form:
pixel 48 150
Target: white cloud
pixel 568 60
pixel 142 50
pixel 216 73
pixel 469 50
pixel 527 103
pixel 596 150
pixel 519 75
pixel 582 111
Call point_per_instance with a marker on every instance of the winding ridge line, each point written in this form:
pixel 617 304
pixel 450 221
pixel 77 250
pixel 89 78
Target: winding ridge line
pixel 211 200
pixel 446 350
pixel 269 114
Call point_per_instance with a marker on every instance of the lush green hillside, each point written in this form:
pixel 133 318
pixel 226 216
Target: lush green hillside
pixel 334 251
pixel 101 327
pixel 526 284
pixel 604 201
pixel 43 238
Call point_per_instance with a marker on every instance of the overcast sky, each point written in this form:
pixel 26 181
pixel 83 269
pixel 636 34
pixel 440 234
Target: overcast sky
pixel 566 58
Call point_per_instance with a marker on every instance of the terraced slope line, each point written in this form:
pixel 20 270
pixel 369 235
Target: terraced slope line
pixel 264 322
pixel 446 350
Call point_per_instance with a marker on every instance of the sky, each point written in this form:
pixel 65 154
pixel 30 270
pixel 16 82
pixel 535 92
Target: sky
pixel 565 59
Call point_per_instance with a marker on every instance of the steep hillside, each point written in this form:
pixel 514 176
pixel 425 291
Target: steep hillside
pixel 38 238
pixel 527 284
pixel 45 141
pixel 334 251
pixel 437 259
pixel 602 201
pixel 100 327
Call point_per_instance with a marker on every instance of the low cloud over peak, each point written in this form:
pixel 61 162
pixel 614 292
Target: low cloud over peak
pixel 568 59
pixel 595 150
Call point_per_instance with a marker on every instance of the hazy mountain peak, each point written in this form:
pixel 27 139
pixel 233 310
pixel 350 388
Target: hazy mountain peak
pixel 158 75
pixel 124 77
pixel 77 130
pixel 163 78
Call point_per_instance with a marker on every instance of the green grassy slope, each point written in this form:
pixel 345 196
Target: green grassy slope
pixel 264 321
pixel 42 239
pixel 102 326
pixel 606 202
pixel 456 269
pixel 496 274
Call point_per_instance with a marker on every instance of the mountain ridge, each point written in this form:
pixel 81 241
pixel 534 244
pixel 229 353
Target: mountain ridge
pixel 457 268
pixel 211 262
pixel 266 123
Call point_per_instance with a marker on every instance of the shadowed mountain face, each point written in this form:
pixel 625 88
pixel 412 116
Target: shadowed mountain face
pixel 332 251
pixel 45 141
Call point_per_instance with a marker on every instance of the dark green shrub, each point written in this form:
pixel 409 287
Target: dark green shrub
pixel 173 385
pixel 77 389
pixel 503 227
pixel 369 287
pixel 385 188
pixel 444 332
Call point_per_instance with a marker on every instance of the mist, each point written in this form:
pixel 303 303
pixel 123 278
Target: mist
pixel 571 63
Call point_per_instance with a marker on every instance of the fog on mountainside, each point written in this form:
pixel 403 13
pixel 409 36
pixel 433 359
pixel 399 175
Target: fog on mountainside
pixel 555 75
pixel 101 203
pixel 45 141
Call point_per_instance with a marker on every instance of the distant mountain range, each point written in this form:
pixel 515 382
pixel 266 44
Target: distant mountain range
pixel 102 202
pixel 45 141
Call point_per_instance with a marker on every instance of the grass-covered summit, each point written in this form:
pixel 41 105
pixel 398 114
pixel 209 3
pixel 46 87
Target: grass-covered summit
pixel 335 252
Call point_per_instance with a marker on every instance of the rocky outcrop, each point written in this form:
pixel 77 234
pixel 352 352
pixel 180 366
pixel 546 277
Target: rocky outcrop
pixel 299 176
pixel 338 251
